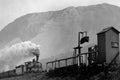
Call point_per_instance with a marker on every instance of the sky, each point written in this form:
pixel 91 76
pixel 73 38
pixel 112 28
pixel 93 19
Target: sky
pixel 12 9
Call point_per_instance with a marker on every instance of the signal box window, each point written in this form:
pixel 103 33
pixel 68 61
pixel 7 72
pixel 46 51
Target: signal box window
pixel 115 45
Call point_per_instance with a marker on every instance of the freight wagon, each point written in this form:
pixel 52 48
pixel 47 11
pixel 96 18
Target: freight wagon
pixel 20 69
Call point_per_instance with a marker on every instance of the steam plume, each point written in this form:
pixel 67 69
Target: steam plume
pixel 17 53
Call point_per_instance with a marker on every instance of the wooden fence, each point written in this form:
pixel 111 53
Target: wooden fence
pixel 68 61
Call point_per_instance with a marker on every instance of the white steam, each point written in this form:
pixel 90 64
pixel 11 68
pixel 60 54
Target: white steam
pixel 15 54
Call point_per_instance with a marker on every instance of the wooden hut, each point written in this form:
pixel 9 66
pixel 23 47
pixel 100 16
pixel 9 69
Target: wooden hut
pixel 108 45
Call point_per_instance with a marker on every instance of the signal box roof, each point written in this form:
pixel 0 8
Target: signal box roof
pixel 107 29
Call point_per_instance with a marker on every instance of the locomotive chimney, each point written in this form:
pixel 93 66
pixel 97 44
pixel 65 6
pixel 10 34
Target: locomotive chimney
pixel 36 53
pixel 37 57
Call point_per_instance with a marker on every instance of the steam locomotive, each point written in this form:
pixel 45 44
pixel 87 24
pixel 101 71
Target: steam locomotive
pixel 27 67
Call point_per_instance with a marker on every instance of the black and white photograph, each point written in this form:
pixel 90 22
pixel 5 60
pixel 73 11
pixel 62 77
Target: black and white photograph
pixel 59 39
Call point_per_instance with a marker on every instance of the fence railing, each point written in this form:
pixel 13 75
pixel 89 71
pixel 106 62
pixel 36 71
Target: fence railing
pixel 68 61
pixel 61 62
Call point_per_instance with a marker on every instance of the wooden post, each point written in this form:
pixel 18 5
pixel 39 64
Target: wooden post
pixel 79 49
pixel 66 62
pixel 46 66
pixel 55 64
pixel 81 59
pixel 86 59
pixel 75 56
pixel 59 64
pixel 52 66
pixel 73 61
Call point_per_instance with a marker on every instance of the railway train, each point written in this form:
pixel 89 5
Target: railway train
pixel 28 67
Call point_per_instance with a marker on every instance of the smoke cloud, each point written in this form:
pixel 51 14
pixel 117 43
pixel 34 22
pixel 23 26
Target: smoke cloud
pixel 17 54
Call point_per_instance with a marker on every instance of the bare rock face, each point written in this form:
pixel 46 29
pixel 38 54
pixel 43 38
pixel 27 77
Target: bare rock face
pixel 56 31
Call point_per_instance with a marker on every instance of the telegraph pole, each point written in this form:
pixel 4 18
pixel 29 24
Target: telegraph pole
pixel 79 49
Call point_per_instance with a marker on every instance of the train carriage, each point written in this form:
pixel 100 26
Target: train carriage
pixel 12 73
pixel 19 70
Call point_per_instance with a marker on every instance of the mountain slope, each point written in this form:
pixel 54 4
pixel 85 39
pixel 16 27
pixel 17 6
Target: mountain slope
pixel 56 31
